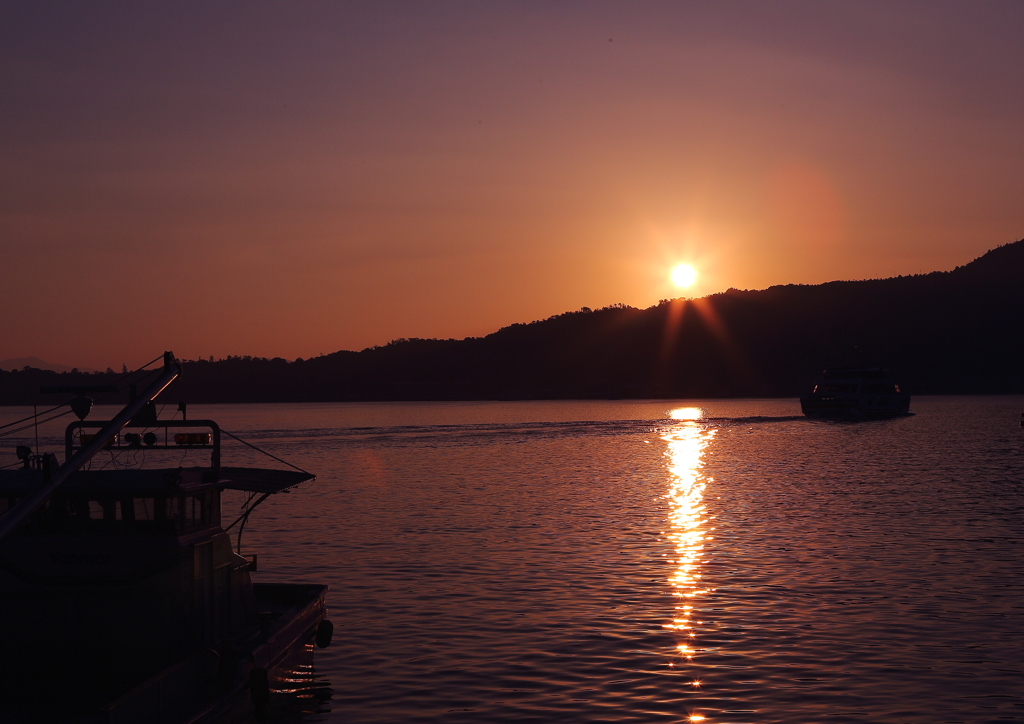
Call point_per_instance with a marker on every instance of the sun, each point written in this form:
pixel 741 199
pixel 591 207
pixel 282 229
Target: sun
pixel 684 275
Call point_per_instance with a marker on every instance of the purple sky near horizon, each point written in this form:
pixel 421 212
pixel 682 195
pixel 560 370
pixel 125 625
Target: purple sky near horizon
pixel 290 179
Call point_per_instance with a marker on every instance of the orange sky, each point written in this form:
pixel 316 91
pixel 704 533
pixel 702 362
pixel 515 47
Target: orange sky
pixel 291 179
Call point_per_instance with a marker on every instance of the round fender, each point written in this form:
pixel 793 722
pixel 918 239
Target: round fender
pixel 324 632
pixel 259 686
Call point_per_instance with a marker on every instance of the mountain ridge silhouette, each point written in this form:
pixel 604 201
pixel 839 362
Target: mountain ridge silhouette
pixel 944 332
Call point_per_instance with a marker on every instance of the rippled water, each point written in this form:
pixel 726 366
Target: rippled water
pixel 653 561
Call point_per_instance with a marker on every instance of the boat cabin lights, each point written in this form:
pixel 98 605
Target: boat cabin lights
pixel 191 438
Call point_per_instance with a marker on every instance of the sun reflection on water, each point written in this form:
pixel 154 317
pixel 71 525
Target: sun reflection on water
pixel 686 413
pixel 688 521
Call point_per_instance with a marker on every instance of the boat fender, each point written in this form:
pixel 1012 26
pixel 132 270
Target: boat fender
pixel 324 632
pixel 259 686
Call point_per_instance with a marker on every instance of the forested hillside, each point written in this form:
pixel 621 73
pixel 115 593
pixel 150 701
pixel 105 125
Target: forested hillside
pixel 944 332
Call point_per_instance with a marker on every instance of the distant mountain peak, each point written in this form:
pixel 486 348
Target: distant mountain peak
pixel 17 363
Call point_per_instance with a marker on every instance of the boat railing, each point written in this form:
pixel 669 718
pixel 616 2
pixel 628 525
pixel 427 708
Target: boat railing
pixel 150 440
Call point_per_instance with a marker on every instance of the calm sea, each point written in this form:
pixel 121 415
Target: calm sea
pixel 718 561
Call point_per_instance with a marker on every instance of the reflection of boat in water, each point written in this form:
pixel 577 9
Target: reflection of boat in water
pixel 856 393
pixel 121 598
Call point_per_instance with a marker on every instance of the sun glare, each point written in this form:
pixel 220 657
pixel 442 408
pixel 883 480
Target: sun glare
pixel 684 275
pixel 686 413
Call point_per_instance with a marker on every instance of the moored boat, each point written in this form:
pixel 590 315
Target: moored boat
pixel 122 598
pixel 856 393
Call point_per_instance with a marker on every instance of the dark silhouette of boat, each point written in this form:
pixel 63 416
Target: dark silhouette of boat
pixel 856 393
pixel 122 598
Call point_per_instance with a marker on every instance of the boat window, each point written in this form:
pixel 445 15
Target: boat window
pixel 60 514
pixel 196 509
pixel 159 508
pixel 105 510
pixel 156 515
pixel 172 510
pixel 84 514
pixel 183 512
pixel 143 509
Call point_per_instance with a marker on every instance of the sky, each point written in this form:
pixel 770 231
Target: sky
pixel 295 178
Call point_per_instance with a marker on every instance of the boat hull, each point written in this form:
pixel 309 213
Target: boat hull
pixel 214 687
pixel 854 409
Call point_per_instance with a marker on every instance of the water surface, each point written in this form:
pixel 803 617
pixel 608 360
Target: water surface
pixel 650 561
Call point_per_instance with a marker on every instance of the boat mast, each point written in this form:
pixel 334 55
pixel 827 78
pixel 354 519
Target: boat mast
pixel 54 479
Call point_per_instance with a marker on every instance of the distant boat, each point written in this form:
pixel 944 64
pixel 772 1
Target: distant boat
pixel 121 596
pixel 856 393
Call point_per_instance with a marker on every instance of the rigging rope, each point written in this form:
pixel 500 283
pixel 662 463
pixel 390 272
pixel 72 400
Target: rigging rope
pixel 269 455
pixel 30 417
